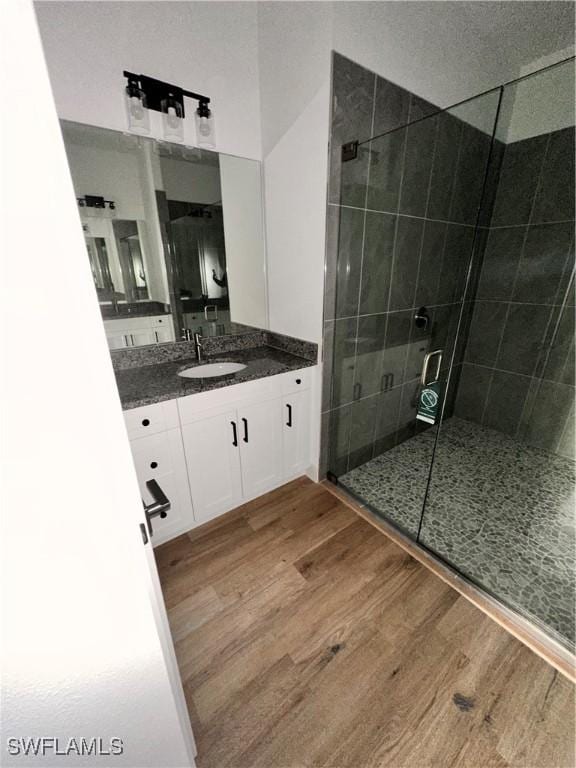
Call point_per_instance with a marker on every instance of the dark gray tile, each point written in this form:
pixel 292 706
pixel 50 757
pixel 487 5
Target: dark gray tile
pixel 558 362
pixel 352 106
pixel 369 354
pixel 505 403
pixel 472 392
pixel 343 361
pixel 548 406
pixel 543 262
pixel 518 180
pixel 444 166
pixel 391 107
pixel 397 345
pixel 324 445
pixel 352 180
pixel 327 364
pixel 523 338
pixel 339 440
pixel 377 262
pixel 491 185
pixel 444 328
pixel 420 108
pixel 430 263
pixel 456 257
pixel 500 263
pixel 407 413
pixel 555 196
pixel 470 175
pixel 386 156
pixel 386 420
pixel 417 167
pixel 486 329
pixel 345 232
pixel 420 343
pixel 567 442
pixel 363 421
pixel 406 258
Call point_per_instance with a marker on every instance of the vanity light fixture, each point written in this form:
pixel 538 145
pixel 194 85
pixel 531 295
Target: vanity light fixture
pixel 144 93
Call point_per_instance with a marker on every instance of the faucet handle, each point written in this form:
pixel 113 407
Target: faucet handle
pixel 186 334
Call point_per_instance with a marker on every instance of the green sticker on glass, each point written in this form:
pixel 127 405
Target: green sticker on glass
pixel 429 402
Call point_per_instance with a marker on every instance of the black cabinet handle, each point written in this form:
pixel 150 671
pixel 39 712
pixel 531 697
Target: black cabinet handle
pixel 289 422
pixel 234 435
pixel 245 429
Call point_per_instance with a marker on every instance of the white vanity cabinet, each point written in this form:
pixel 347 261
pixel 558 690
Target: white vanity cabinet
pixel 137 331
pixel 212 451
pixel 158 454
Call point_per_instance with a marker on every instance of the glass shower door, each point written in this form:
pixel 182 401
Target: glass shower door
pixel 500 505
pixel 406 229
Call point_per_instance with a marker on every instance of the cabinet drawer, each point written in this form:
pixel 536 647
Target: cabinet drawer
pixel 160 320
pixel 150 419
pixel 152 455
pixel 296 381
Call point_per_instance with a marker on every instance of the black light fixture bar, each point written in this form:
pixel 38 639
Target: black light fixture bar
pixel 157 91
pixel 95 201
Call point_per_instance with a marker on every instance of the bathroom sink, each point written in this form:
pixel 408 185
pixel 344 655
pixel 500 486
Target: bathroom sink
pixel 211 370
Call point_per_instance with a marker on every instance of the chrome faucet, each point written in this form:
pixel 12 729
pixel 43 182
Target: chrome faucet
pixel 198 346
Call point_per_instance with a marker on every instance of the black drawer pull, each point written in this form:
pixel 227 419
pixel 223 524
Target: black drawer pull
pixel 245 429
pixel 289 422
pixel 153 464
pixel 145 422
pixel 234 434
pixel 298 381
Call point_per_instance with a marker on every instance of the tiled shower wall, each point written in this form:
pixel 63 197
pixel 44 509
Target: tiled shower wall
pixel 518 372
pixel 400 230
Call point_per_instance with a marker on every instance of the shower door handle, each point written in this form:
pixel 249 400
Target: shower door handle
pixel 424 377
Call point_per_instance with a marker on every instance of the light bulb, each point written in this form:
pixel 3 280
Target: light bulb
pixel 172 118
pixel 205 128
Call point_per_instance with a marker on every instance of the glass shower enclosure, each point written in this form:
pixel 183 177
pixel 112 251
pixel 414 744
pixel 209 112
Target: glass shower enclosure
pixel 452 386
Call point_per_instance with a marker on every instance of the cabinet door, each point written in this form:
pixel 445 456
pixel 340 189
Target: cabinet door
pixel 260 436
pixel 295 434
pixel 117 341
pixel 162 334
pixel 213 460
pixel 161 457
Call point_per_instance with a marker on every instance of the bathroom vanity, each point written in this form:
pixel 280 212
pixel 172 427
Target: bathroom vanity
pixel 214 443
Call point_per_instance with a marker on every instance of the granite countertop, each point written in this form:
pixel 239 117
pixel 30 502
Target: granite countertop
pixel 155 383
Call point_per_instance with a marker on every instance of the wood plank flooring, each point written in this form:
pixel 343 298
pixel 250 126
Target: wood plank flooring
pixel 306 638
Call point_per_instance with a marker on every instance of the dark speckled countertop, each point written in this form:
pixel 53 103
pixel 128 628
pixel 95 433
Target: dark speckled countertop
pixel 148 384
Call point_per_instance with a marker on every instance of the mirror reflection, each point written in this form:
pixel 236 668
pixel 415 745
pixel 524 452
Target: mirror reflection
pixel 163 227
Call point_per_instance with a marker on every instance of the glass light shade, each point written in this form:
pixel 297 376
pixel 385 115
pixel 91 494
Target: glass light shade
pixel 172 119
pixel 136 111
pixel 205 127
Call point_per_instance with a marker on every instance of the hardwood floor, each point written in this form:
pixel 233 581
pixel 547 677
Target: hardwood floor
pixel 305 637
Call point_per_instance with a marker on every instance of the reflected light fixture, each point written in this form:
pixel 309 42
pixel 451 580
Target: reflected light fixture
pixel 205 129
pixel 144 93
pixel 136 108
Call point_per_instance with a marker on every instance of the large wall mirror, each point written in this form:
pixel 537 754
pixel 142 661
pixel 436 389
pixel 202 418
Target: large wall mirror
pixel 174 236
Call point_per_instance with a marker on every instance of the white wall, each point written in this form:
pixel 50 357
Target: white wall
pixel 206 47
pixel 542 103
pixel 294 48
pixel 81 650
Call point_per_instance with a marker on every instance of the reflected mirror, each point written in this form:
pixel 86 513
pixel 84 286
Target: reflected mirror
pixel 174 236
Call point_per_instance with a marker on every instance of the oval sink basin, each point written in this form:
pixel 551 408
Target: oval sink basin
pixel 211 370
